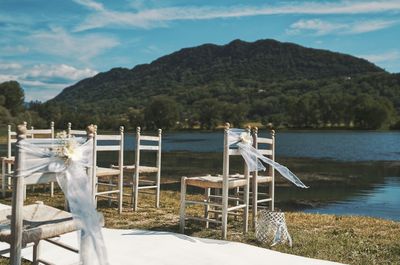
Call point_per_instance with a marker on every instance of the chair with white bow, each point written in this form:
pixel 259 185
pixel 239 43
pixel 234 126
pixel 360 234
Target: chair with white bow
pixel 43 133
pixel 8 161
pixel 23 225
pixel 224 204
pixel 265 181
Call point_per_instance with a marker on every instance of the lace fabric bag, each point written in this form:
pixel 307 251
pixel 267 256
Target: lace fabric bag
pixel 271 228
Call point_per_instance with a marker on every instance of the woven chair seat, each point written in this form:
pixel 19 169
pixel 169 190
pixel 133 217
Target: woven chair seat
pixel 142 169
pixel 39 221
pixel 209 181
pixel 260 179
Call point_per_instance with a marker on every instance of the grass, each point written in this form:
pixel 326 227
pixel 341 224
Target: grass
pixel 350 239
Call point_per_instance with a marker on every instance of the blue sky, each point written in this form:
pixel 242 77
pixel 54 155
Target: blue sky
pixel 48 45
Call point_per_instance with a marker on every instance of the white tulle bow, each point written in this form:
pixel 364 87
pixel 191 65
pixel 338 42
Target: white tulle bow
pixel 242 139
pixel 69 159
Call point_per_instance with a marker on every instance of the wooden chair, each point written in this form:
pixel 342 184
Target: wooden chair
pixel 43 133
pixel 266 146
pixel 32 223
pixel 153 145
pixel 74 133
pixel 225 183
pixel 7 162
pixel 105 143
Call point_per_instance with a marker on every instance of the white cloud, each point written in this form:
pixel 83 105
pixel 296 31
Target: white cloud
pixel 317 26
pixel 90 4
pixel 148 18
pixel 49 78
pixel 9 66
pixel 382 57
pixel 14 50
pixel 59 71
pixel 321 27
pixel 61 43
pixel 373 25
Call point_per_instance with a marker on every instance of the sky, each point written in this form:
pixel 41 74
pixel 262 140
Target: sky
pixel 47 45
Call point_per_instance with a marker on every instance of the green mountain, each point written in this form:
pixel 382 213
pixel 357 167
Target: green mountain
pixel 265 79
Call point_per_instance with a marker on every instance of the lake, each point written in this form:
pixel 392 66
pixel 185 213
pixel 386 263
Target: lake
pixel 360 172
pixel 349 172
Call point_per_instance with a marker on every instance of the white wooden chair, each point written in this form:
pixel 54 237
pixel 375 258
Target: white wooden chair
pixel 266 146
pixel 8 161
pixel 74 133
pixel 154 145
pixel 105 143
pixel 225 183
pixel 32 223
pixel 43 133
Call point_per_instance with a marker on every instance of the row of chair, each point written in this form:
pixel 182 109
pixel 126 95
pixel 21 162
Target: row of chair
pixel 106 182
pixel 231 192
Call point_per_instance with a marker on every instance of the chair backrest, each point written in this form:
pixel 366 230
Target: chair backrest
pixel 74 133
pixel 105 143
pixel 19 181
pixel 41 133
pixel 153 143
pixel 231 151
pixel 11 139
pixel 265 146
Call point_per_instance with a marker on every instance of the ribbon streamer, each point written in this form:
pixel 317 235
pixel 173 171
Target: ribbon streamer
pixel 253 158
pixel 73 179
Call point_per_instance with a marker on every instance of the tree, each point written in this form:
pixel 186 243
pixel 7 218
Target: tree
pixel 161 112
pixel 234 113
pixel 370 113
pixel 13 96
pixel 5 116
pixel 209 111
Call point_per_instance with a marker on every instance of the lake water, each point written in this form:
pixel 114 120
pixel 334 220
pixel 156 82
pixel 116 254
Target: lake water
pixel 370 158
pixel 350 172
pixel 339 145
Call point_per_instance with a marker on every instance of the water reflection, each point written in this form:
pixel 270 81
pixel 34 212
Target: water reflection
pixel 382 200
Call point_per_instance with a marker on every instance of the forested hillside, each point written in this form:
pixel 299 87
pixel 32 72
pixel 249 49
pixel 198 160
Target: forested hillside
pixel 268 81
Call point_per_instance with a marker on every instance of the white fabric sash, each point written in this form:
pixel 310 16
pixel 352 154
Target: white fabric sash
pixel 70 167
pixel 253 158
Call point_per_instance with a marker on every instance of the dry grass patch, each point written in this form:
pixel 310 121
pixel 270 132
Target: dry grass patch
pixel 351 240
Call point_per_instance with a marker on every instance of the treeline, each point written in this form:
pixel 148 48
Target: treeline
pixel 13 110
pixel 363 102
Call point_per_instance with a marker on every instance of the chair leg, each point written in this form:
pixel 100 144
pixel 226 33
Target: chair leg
pixel 237 195
pixel 135 195
pixel 224 216
pixel 272 194
pixel 121 192
pixel 254 199
pixel 246 202
pixel 182 211
pixel 158 190
pixel 207 207
pixel 110 182
pixel 96 189
pixel 24 195
pixel 51 189
pixel 36 253
pixel 3 179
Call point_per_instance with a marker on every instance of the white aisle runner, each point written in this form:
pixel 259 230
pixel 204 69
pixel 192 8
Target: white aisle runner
pixel 138 247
